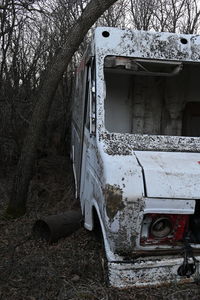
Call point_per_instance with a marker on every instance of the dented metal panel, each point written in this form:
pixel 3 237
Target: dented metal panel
pixel 122 216
pixel 148 272
pixel 171 175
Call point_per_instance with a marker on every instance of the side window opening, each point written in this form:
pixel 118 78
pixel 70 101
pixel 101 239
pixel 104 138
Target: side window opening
pixel 89 96
pixel 87 100
pixel 90 102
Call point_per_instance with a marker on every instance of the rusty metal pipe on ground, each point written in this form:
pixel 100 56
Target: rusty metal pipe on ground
pixel 52 228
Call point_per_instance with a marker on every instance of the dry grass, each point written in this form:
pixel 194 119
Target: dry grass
pixel 70 269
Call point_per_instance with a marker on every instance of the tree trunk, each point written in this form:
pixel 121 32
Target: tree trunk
pixel 17 204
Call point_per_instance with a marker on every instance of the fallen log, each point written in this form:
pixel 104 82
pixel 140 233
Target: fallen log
pixel 52 228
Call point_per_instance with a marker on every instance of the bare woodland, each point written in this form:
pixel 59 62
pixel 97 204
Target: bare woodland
pixel 41 44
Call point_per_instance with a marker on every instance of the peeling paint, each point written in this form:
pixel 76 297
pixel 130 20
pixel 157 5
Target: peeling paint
pixel 148 272
pixel 124 144
pixel 116 167
pixel 151 45
pixel 114 200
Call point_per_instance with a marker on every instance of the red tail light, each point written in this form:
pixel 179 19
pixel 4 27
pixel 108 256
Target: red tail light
pixel 163 229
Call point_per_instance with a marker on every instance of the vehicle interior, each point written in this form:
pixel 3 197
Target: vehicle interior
pixel 152 97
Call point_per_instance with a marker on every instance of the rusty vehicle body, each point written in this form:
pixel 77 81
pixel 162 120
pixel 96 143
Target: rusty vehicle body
pixel 136 152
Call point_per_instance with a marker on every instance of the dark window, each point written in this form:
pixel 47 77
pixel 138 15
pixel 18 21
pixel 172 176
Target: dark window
pixel 191 119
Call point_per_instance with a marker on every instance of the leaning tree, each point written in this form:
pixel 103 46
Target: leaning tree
pixel 91 12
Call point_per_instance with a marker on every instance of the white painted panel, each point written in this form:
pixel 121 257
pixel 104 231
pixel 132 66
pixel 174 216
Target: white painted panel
pixel 169 206
pixel 171 175
pixel 148 272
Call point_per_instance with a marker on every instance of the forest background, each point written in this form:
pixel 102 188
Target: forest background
pixel 33 33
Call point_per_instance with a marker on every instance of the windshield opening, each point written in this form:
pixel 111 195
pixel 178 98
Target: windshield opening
pixel 152 97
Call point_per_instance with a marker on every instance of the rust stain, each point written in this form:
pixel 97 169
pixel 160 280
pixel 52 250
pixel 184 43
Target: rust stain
pixel 114 200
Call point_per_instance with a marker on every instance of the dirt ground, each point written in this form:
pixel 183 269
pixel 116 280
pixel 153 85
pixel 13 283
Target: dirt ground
pixel 70 269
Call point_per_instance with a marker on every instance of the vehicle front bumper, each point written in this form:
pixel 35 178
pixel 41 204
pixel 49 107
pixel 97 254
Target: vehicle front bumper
pixel 149 271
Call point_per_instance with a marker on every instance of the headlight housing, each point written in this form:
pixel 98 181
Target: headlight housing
pixel 163 229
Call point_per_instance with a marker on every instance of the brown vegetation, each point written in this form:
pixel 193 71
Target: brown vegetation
pixel 32 33
pixel 70 269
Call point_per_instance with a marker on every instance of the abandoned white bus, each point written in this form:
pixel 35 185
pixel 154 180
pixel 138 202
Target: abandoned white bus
pixel 136 152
